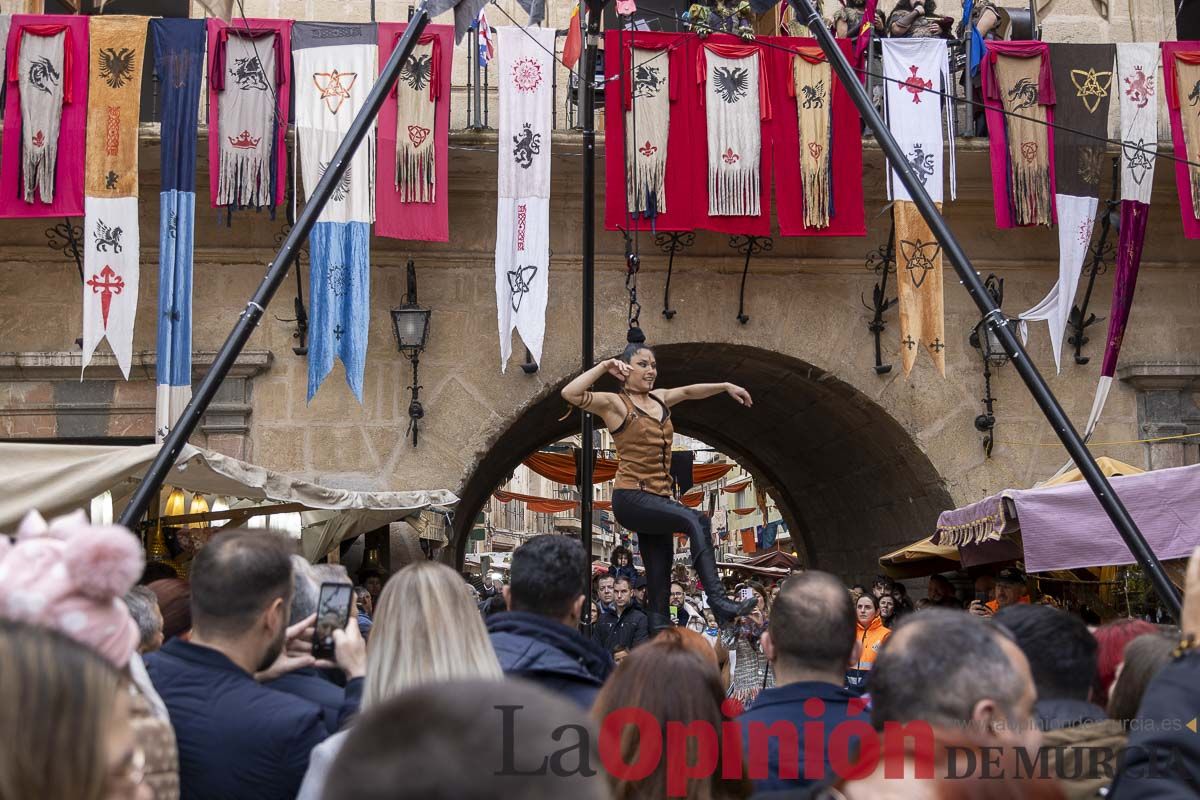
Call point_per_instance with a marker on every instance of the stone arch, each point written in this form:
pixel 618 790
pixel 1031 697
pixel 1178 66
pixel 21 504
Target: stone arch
pixel 850 481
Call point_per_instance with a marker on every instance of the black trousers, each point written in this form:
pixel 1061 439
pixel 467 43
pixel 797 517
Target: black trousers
pixel 655 519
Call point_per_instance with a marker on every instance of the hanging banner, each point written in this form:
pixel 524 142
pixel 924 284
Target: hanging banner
pixel 1137 65
pixel 812 87
pixel 1083 84
pixel 249 86
pixel 662 57
pixel 736 101
pixel 523 200
pixel 1019 89
pixel 803 154
pixel 412 182
pixel 647 126
pixel 179 68
pixel 1181 72
pixel 914 69
pixel 111 239
pixel 42 166
pixel 919 275
pixel 335 66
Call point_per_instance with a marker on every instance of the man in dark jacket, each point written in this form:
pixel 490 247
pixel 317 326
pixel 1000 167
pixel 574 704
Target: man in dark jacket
pixel 339 704
pixel 1062 655
pixel 538 638
pixel 626 626
pixel 810 641
pixel 239 739
pixel 1162 761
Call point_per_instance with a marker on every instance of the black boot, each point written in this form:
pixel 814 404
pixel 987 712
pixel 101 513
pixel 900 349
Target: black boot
pixel 705 562
pixel 659 623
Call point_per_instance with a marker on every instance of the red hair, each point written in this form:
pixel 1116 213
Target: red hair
pixel 1112 638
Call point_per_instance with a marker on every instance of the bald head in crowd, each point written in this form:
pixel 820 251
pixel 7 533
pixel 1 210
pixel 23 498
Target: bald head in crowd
pixel 953 669
pixel 812 627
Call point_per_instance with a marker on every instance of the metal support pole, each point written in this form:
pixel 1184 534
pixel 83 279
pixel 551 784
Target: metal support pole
pixel 587 110
pixel 276 273
pixel 993 318
pixel 476 82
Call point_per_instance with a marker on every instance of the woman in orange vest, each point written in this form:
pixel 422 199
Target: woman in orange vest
pixel 871 636
pixel 639 418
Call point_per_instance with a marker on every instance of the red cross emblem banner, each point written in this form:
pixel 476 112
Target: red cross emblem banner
pixel 412 186
pixel 41 171
pixel 111 242
pixel 917 69
pixel 523 181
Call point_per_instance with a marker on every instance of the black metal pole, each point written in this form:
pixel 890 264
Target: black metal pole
pixel 993 318
pixel 587 106
pixel 276 273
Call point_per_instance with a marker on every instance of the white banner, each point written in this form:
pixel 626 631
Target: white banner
pixel 915 69
pixel 332 84
pixel 733 114
pixel 110 269
pixel 525 69
pixel 1137 80
pixel 1076 218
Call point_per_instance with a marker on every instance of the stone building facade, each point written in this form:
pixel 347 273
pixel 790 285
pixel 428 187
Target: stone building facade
pixel 858 462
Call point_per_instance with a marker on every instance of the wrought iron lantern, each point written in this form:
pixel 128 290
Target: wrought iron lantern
pixel 410 326
pixel 986 340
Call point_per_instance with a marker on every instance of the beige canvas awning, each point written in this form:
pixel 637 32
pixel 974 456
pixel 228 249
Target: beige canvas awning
pixel 56 479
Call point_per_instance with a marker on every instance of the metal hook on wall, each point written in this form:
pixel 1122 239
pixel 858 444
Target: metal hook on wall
pixel 672 243
pixel 881 261
pixel 749 246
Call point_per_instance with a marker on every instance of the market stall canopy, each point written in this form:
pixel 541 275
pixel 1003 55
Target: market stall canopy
pixel 920 559
pixel 1063 527
pixel 56 479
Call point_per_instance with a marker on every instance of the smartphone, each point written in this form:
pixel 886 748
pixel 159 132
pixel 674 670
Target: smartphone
pixel 333 612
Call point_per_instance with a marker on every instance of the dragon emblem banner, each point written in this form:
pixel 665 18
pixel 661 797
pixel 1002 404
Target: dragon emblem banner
pixel 111 243
pixel 1181 72
pixel 249 86
pixel 1018 88
pixel 812 87
pixel 1083 84
pixel 179 67
pixel 647 125
pixel 525 69
pixel 414 140
pixel 335 66
pixel 736 102
pixel 42 169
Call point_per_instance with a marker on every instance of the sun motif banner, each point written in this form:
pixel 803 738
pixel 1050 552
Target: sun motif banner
pixel 523 199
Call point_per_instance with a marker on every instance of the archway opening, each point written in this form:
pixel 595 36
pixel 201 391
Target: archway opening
pixel 851 483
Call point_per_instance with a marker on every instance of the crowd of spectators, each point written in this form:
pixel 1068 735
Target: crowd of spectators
pixel 113 692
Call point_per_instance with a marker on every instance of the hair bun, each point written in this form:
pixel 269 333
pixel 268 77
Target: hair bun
pixel 635 336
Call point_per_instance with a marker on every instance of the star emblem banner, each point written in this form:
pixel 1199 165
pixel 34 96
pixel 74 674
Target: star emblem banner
pixel 523 202
pixel 110 231
pixel 1083 85
pixel 335 67
pixel 919 275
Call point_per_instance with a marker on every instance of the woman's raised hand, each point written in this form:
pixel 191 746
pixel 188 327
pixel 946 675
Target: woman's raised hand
pixel 739 394
pixel 617 368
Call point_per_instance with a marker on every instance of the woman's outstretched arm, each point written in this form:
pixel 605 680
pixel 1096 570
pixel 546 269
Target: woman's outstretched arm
pixel 699 391
pixel 602 404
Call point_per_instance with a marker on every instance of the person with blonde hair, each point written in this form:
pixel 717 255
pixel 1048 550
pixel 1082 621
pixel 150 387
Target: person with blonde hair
pixel 65 719
pixel 426 630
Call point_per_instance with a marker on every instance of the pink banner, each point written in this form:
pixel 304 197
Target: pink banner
pixel 423 222
pixel 283 65
pixel 68 182
pixel 1170 52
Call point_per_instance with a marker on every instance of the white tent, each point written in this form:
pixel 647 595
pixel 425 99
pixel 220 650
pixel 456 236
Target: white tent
pixel 56 479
